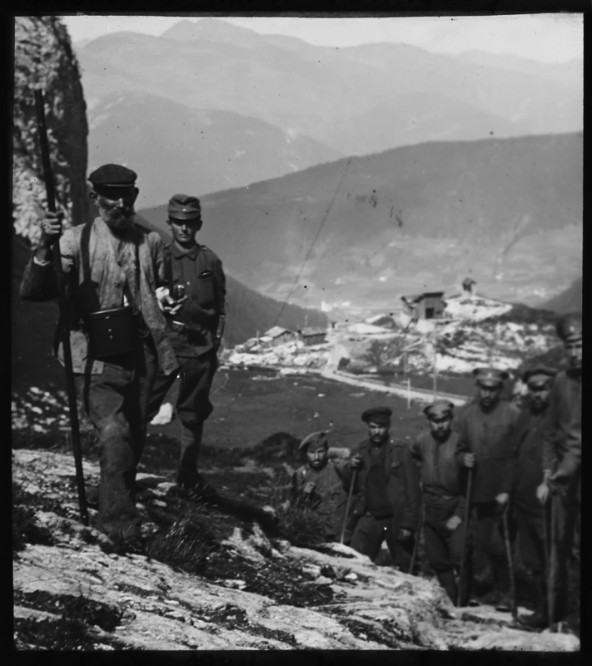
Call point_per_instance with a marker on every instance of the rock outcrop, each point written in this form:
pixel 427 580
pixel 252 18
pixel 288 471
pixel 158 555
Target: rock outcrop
pixel 44 60
pixel 71 592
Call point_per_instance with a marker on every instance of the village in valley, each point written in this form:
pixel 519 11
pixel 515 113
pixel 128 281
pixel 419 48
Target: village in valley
pixel 430 335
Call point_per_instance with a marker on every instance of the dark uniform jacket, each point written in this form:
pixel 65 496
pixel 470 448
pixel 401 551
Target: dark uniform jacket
pixel 112 268
pixel 489 436
pixel 562 447
pixel 200 271
pixel 329 497
pixel 402 483
pixel 528 460
pixel 440 472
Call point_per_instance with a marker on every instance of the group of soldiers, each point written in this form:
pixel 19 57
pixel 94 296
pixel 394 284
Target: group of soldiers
pixel 141 313
pixel 495 483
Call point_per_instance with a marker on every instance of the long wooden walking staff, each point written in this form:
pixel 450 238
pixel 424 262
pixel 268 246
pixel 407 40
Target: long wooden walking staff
pixel 513 606
pixel 547 546
pixel 347 505
pixel 417 538
pixel 552 565
pixel 465 536
pixel 63 319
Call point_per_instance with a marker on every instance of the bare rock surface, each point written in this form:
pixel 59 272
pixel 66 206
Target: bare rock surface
pixel 65 576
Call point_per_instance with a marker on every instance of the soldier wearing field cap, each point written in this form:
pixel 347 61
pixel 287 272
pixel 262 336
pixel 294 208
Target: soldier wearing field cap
pixel 442 485
pixel 485 434
pixel 562 452
pixel 193 302
pixel 527 476
pixel 113 267
pixel 387 492
pixel 321 484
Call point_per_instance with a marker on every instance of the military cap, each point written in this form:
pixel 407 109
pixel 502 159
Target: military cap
pixel 316 438
pixel 113 175
pixel 490 377
pixel 378 415
pixel 537 375
pixel 439 409
pixel 569 327
pixel 184 207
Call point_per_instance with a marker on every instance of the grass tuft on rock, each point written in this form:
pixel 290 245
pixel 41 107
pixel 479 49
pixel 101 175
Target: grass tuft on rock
pixel 187 542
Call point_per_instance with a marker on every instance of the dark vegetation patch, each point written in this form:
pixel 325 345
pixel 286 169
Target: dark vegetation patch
pixel 24 526
pixel 370 632
pixel 25 529
pixel 283 582
pixel 188 540
pixel 72 630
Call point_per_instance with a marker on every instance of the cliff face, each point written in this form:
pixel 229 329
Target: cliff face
pixel 44 59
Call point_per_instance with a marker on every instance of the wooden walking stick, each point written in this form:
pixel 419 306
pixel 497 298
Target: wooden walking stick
pixel 63 318
pixel 417 538
pixel 463 555
pixel 552 565
pixel 547 546
pixel 347 505
pixel 513 606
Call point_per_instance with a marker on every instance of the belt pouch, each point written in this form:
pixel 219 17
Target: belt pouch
pixel 112 332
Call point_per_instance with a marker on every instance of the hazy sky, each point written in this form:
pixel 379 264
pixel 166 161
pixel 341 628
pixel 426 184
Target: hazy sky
pixel 551 37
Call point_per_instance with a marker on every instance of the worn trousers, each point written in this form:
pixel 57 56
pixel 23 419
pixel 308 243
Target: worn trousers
pixel 116 402
pixel 370 532
pixel 193 407
pixel 444 548
pixel 531 538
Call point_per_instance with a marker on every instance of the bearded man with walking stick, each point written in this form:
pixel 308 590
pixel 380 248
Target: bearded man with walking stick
pixel 112 268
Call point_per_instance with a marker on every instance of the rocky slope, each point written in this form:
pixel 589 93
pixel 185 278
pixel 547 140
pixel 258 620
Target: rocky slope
pixel 243 588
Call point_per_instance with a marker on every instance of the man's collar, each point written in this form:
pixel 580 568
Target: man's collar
pixel 179 252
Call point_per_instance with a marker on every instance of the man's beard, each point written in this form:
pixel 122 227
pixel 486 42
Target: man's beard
pixel 118 219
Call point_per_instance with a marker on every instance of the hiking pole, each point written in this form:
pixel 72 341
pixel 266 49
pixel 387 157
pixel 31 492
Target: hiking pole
pixel 513 606
pixel 416 544
pixel 463 555
pixel 547 546
pixel 347 505
pixel 552 573
pixel 63 318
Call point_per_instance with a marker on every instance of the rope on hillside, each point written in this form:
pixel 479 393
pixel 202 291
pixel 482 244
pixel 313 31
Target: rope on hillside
pixel 321 225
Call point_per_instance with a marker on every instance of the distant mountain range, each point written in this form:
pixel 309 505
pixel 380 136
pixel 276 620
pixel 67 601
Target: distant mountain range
pixel 176 148
pixel 364 231
pixel 296 104
pixel 570 300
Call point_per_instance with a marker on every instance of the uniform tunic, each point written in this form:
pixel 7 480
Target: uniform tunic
pixel 489 436
pixel 329 497
pixel 441 482
pixel 400 482
pixel 200 271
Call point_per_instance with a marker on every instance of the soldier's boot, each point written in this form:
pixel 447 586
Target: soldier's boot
pixel 464 586
pixel 501 577
pixel 448 581
pixel 188 477
pixel 540 618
